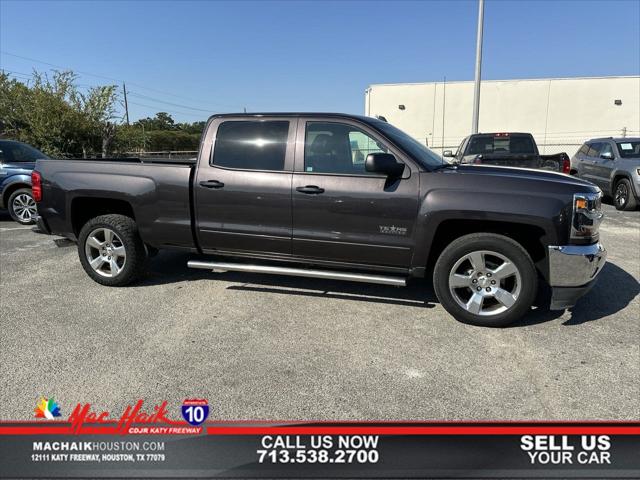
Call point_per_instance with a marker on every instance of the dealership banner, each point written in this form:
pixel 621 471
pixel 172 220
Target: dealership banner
pixel 182 441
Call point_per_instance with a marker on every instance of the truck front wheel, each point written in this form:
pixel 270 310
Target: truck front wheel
pixel 485 279
pixel 111 251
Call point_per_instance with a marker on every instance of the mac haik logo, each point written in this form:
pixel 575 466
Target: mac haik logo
pixel 47 408
pixel 392 230
pixel 134 419
pixel 195 411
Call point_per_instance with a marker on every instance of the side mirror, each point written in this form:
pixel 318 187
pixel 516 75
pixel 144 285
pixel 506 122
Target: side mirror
pixel 447 153
pixel 607 155
pixel 384 163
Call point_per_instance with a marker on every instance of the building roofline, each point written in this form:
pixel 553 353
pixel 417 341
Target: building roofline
pixel 542 79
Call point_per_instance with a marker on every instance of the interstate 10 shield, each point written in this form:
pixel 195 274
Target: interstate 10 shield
pixel 195 411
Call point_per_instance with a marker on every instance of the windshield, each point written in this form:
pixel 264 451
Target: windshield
pixel 19 152
pixel 503 143
pixel 419 152
pixel 629 149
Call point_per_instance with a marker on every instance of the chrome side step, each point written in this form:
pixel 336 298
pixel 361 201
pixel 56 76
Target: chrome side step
pixel 220 267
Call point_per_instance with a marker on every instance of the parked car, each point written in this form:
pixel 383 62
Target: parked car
pixel 17 160
pixel 288 194
pixel 614 165
pixel 510 149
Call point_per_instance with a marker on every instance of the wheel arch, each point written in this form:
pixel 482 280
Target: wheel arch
pixel 12 186
pixel 83 209
pixel 619 175
pixel 531 237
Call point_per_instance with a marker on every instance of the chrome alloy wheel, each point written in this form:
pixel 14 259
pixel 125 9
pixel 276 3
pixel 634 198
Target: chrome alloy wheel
pixel 105 252
pixel 621 195
pixel 24 206
pixel 485 283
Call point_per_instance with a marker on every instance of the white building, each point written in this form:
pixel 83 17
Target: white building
pixel 560 112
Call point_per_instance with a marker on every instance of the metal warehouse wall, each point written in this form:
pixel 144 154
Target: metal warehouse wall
pixel 560 112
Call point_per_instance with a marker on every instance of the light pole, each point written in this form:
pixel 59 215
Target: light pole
pixel 476 86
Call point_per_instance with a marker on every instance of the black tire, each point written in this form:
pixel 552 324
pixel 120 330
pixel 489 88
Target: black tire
pixel 523 291
pixel 19 211
pixel 623 196
pixel 134 264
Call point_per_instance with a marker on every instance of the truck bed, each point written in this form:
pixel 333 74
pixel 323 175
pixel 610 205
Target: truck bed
pixel 158 194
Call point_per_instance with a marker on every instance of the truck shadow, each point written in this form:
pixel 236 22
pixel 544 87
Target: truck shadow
pixel 614 291
pixel 418 294
pixel 171 267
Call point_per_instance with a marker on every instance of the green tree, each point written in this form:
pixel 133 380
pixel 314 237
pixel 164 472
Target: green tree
pixel 54 116
pixel 97 110
pixel 162 121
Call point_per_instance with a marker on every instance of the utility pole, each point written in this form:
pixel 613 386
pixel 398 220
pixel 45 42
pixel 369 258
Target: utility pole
pixel 126 105
pixel 476 87
pixel 444 104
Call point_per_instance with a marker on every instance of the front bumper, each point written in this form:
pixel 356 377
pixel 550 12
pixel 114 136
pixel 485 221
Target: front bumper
pixel 572 272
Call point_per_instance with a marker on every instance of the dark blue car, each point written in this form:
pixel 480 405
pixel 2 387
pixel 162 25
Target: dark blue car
pixel 17 160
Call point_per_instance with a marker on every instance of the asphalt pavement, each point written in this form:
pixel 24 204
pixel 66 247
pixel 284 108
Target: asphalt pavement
pixel 270 347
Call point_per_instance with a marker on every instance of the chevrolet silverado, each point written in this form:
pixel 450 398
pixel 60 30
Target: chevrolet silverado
pixel 334 196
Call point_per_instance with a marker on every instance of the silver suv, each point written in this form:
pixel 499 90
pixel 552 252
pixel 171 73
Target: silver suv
pixel 613 164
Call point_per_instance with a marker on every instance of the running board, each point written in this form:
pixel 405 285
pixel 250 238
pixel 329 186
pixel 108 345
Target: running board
pixel 220 267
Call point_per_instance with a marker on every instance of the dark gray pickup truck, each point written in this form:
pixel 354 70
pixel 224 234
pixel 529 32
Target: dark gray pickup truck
pixel 339 197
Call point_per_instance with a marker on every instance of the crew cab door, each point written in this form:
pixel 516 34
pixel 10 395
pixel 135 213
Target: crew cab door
pixel 602 167
pixel 589 171
pixel 243 185
pixel 341 212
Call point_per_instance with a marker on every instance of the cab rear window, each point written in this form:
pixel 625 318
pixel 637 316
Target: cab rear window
pixel 501 144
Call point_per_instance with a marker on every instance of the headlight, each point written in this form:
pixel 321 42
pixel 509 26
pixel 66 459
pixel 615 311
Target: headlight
pixel 587 215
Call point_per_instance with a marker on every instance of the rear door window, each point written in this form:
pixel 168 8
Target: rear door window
pixel 594 149
pixel 251 145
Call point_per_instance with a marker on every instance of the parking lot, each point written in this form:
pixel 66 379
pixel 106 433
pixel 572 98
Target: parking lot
pixel 265 347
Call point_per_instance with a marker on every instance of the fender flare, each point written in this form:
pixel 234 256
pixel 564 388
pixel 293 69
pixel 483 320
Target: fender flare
pixel 11 183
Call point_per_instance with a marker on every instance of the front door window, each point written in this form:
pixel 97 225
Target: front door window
pixel 338 148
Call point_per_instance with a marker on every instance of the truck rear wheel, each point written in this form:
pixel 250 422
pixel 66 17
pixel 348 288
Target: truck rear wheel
pixel 485 279
pixel 111 251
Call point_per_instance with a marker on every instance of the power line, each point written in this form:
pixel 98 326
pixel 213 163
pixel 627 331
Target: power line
pixel 112 79
pixel 166 110
pixel 168 103
pixel 58 66
pixel 31 75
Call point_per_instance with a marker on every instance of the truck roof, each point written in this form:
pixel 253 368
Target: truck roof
pixel 500 133
pixel 616 139
pixel 297 114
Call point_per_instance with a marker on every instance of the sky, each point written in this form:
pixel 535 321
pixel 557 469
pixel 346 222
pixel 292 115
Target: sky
pixel 196 58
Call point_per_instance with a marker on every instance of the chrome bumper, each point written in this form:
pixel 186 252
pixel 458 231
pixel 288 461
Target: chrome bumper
pixel 575 265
